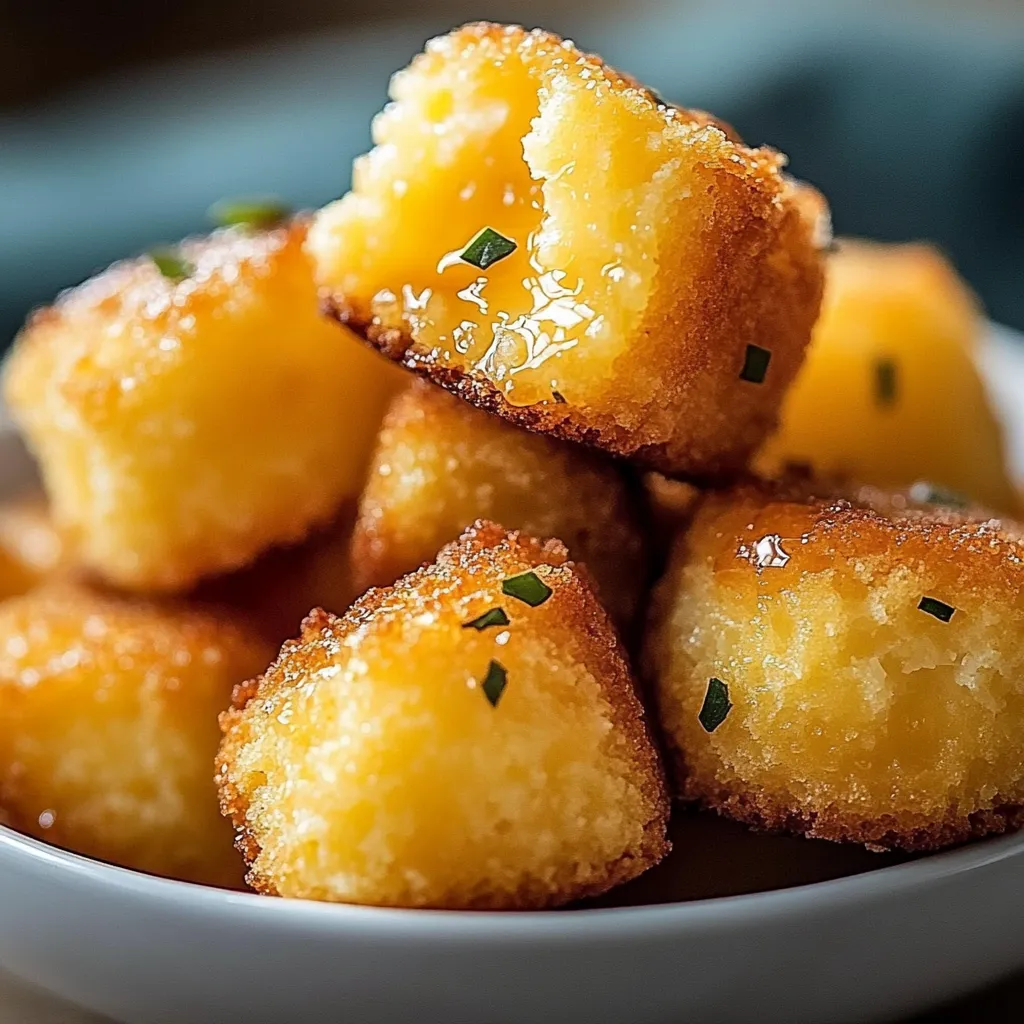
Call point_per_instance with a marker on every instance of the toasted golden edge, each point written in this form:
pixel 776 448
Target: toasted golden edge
pixel 852 516
pixel 582 612
pixel 601 434
pixel 763 814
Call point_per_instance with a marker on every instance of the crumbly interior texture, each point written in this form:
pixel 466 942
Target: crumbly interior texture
pixel 651 248
pixel 901 306
pixel 108 728
pixel 441 464
pixel 856 715
pixel 182 426
pixel 369 766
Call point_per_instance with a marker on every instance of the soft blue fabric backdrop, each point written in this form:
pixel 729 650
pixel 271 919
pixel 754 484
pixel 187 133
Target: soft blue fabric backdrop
pixel 914 126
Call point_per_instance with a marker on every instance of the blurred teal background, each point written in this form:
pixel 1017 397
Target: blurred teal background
pixel 120 124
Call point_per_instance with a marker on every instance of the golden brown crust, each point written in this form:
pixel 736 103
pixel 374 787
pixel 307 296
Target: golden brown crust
pixel 970 544
pixel 887 832
pixel 855 715
pixel 460 573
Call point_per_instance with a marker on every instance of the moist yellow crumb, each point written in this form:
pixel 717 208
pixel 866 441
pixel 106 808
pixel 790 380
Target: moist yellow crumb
pixel 448 744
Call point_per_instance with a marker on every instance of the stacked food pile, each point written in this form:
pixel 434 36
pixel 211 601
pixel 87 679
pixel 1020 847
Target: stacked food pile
pixel 593 316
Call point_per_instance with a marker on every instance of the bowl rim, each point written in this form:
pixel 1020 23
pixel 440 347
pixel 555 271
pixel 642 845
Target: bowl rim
pixel 598 922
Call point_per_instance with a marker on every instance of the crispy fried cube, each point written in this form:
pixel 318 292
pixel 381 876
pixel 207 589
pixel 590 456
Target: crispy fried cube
pixel 664 279
pixel 108 728
pixel 448 743
pixel 890 393
pixel 847 669
pixel 441 464
pixel 184 425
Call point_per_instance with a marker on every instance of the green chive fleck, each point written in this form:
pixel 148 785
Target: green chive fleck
pixel 932 606
pixel 494 617
pixel 494 683
pixel 716 705
pixel 755 364
pixel 487 247
pixel 171 263
pixel 558 397
pixel 253 213
pixel 885 382
pixel 527 587
pixel 925 493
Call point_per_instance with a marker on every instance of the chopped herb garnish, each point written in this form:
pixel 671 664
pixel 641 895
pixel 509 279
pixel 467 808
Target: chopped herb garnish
pixel 254 213
pixel 487 247
pixel 171 263
pixel 558 397
pixel 716 705
pixel 527 587
pixel 755 364
pixel 494 617
pixel 932 606
pixel 885 382
pixel 928 494
pixel 494 682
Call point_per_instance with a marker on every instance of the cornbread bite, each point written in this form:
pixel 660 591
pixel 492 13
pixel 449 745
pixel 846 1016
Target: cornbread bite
pixel 548 240
pixel 849 669
pixel 108 728
pixel 440 465
pixel 890 392
pixel 190 409
pixel 468 738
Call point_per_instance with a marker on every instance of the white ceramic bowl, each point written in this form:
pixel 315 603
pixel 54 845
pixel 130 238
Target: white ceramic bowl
pixel 889 940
